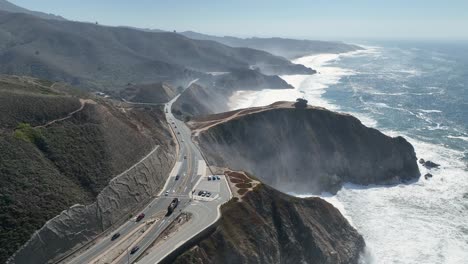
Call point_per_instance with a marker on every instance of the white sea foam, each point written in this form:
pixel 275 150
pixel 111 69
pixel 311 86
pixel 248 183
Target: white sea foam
pixel 422 222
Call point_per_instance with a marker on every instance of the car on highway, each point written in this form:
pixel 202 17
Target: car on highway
pixel 134 249
pixel 177 177
pixel 140 216
pixel 166 193
pixel 115 236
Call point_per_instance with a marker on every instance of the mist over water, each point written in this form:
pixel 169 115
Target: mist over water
pixel 415 90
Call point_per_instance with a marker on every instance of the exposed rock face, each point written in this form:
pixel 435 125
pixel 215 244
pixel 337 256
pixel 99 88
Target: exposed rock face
pixel 79 224
pixel 272 227
pixel 51 159
pixel 211 94
pixel 305 150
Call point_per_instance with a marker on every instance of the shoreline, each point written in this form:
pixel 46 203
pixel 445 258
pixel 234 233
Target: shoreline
pixel 419 216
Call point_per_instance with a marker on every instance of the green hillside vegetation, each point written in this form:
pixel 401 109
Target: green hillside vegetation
pixel 45 170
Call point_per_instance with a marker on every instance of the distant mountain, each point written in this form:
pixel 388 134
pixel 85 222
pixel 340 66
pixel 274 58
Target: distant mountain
pixel 9 7
pixel 89 55
pixel 288 48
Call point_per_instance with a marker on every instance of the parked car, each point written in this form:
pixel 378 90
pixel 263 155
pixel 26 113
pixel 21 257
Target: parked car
pixel 177 177
pixel 134 249
pixel 166 193
pixel 203 194
pixel 209 178
pixel 208 194
pixel 217 177
pixel 115 236
pixel 200 192
pixel 140 216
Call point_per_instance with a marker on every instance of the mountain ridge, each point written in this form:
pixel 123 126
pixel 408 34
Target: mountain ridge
pixel 10 7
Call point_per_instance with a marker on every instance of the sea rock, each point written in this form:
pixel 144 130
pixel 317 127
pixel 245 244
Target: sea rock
pixel 430 165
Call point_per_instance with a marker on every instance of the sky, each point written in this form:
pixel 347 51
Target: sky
pixel 312 19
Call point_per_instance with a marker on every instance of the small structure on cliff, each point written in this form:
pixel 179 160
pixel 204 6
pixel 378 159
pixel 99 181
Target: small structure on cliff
pixel 300 103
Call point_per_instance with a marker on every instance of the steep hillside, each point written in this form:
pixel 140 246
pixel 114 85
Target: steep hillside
pixel 212 94
pixel 306 150
pixel 9 7
pixel 149 93
pixel 58 150
pixel 288 48
pixel 268 226
pixel 94 56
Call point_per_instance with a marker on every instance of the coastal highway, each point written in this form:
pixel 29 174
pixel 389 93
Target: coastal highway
pixel 191 168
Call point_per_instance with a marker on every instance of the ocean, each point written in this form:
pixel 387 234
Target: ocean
pixel 419 91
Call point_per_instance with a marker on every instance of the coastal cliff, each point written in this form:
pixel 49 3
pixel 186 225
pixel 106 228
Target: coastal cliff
pixel 268 226
pixel 211 94
pixel 304 150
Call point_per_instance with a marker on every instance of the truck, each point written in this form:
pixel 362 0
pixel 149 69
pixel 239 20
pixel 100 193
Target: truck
pixel 172 206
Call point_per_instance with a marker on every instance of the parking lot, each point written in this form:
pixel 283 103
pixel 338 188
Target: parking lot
pixel 209 186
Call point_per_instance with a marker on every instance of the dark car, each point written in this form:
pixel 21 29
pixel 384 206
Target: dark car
pixel 140 216
pixel 115 236
pixel 200 192
pixel 134 249
pixel 177 177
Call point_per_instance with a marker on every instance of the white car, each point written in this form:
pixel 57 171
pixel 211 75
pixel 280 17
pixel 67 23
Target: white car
pixel 166 193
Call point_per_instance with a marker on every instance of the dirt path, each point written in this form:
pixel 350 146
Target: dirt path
pixel 83 102
pixel 205 125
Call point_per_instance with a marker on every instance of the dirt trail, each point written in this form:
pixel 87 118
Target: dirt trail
pixel 83 102
pixel 202 125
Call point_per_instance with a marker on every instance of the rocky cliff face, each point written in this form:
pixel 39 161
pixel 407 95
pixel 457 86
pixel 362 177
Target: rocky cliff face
pixel 305 150
pixel 271 227
pixel 59 148
pixel 211 93
pixel 81 223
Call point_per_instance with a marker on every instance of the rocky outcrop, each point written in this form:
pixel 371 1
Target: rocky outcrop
pixel 79 224
pixel 211 93
pixel 271 227
pixel 305 150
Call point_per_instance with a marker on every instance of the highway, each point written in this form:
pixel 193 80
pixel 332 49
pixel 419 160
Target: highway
pixel 191 168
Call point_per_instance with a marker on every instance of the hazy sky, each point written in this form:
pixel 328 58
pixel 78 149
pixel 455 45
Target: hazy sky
pixel 325 19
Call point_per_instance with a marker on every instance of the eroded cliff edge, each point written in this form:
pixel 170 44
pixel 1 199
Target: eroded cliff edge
pixel 268 226
pixel 60 147
pixel 307 150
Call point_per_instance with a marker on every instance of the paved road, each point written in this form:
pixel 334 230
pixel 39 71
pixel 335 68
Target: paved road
pixel 204 213
pixel 191 169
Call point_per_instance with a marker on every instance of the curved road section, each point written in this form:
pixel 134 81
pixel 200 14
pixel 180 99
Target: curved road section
pixel 187 179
